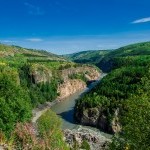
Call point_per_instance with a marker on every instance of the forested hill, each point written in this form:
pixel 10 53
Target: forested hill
pixel 110 59
pixel 120 104
pixel 31 77
pixel 91 56
pixel 125 56
pixel 28 54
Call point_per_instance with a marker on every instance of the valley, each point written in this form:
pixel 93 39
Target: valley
pixel 35 84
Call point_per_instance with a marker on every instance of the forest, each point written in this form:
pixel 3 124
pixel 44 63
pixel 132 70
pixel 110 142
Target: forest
pixel 125 88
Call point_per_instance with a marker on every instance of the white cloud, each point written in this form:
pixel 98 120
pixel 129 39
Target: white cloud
pixel 142 20
pixel 35 40
pixel 33 9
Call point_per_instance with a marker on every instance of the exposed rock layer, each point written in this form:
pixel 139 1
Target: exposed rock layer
pixel 90 72
pixel 96 117
pixel 39 73
pixel 70 87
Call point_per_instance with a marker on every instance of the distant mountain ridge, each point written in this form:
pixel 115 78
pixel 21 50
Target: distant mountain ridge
pixel 7 50
pixel 89 56
pixel 106 59
pixel 125 56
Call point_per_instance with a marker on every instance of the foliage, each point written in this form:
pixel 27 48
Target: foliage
pixel 49 128
pixel 25 138
pixel 14 101
pixel 113 90
pixel 135 121
pixel 46 135
pixel 89 57
pixel 135 54
pixel 80 76
pixel 126 87
pixel 85 145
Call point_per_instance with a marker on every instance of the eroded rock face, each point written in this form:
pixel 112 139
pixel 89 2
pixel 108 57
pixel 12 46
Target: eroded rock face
pixel 70 87
pixel 90 116
pixel 40 74
pixel 115 124
pixel 95 117
pixel 91 73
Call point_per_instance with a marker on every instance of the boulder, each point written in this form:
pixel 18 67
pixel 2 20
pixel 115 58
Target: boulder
pixel 94 139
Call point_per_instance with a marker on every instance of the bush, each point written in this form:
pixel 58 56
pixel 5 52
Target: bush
pixel 49 129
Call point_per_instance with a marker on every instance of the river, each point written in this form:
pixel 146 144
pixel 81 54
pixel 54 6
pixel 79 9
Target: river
pixel 65 108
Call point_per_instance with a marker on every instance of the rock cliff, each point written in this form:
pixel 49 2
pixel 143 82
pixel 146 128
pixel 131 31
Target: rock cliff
pixel 96 117
pixel 39 73
pixel 90 72
pixel 70 87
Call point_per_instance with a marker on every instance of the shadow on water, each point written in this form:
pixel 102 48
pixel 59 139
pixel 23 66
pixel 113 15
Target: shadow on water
pixel 68 116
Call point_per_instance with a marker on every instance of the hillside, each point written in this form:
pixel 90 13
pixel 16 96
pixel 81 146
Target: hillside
pixel 31 77
pixel 124 56
pixel 120 103
pixel 90 57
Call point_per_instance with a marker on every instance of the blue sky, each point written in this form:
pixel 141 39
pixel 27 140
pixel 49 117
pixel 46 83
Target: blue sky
pixel 66 26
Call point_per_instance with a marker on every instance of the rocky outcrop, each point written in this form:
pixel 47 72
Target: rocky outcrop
pixel 96 117
pixel 90 116
pixel 95 139
pixel 115 124
pixel 70 87
pixel 6 54
pixel 90 72
pixel 39 74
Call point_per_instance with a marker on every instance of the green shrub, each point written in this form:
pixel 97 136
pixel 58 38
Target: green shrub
pixel 80 76
pixel 49 129
pixel 85 145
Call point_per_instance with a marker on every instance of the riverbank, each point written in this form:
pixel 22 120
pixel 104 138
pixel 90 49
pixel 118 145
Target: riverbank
pixel 42 108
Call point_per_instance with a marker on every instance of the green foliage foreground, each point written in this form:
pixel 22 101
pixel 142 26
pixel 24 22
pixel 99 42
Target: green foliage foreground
pixel 15 103
pixel 46 135
pixel 49 127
